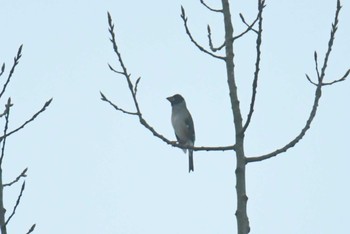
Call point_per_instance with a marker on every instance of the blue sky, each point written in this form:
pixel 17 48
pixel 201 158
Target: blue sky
pixel 95 170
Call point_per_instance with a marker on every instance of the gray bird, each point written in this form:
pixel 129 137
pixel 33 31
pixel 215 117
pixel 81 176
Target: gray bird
pixel 182 122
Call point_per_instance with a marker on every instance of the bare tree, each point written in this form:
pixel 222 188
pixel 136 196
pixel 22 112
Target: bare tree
pixel 4 221
pixel 256 27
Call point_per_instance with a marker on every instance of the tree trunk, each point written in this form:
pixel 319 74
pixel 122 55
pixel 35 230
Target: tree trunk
pixel 2 209
pixel 241 212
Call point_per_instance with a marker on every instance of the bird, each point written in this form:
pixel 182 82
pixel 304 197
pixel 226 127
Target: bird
pixel 182 122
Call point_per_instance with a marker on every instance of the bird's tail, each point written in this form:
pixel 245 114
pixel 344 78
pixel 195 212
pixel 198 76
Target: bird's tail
pixel 190 160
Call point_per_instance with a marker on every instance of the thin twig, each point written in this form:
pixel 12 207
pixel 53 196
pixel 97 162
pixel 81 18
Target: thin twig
pixel 31 229
pixel 103 98
pixel 23 174
pixel 136 84
pixel 212 48
pixel 243 20
pixel 211 9
pixel 110 67
pixel 16 60
pixel 175 144
pixel 339 80
pixel 8 106
pixel 4 113
pixel 2 69
pixel 309 79
pixel 316 65
pixel 331 41
pixel 17 203
pixel 257 65
pixel 249 28
pixel 184 18
pixel 28 121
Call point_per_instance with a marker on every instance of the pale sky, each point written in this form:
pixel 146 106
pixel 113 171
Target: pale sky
pixel 95 170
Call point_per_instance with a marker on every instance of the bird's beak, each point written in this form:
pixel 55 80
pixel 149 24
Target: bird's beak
pixel 169 99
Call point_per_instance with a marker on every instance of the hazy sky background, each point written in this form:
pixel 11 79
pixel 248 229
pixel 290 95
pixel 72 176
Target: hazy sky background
pixel 95 170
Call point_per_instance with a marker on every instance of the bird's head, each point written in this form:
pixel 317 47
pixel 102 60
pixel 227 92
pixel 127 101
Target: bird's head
pixel 176 99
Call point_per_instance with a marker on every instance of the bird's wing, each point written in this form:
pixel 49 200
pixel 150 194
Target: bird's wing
pixel 190 128
pixel 178 139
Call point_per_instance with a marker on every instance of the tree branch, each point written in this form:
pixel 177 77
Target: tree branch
pixel 184 18
pixel 2 208
pixel 31 229
pixel 133 90
pixel 7 106
pixel 209 8
pixel 158 135
pixel 17 203
pixel 257 65
pixel 136 84
pixel 309 79
pixel 331 40
pixel 110 67
pixel 318 93
pixel 4 113
pixel 23 174
pixel 2 69
pixel 243 20
pixel 330 83
pixel 249 28
pixel 104 98
pixel 339 80
pixel 176 144
pixel 28 121
pixel 316 65
pixel 16 60
pixel 298 137
pixel 124 70
pixel 212 48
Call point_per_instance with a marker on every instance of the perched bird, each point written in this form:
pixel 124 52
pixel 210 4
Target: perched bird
pixel 182 122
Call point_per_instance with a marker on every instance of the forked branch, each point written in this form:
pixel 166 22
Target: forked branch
pixel 249 28
pixel 298 137
pixel 211 9
pixel 138 113
pixel 3 140
pixel 201 48
pixel 318 93
pixel 212 48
